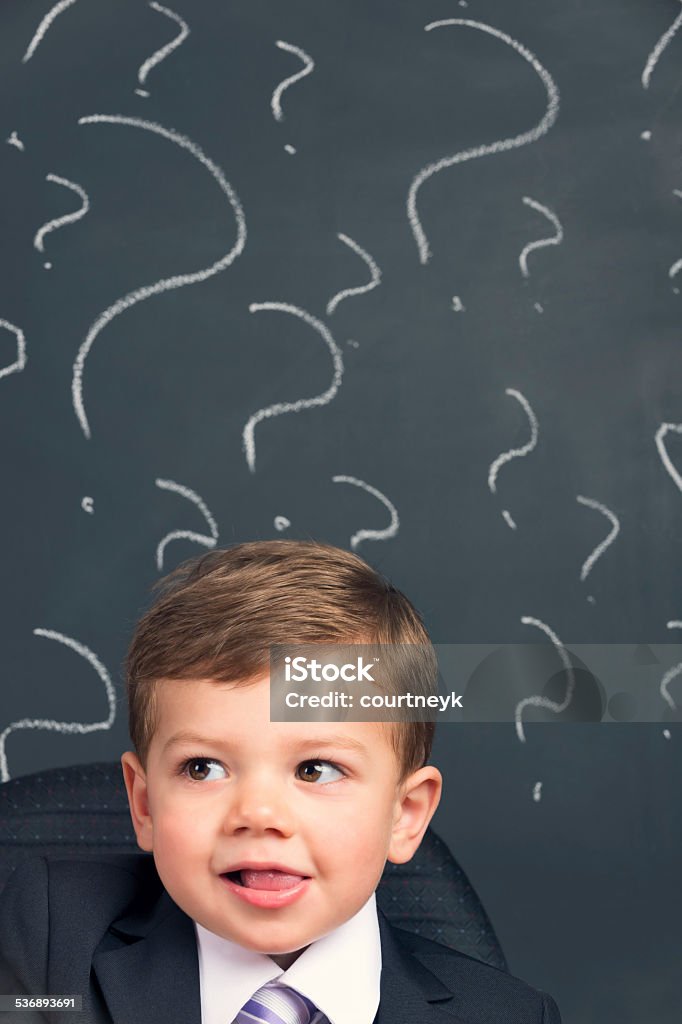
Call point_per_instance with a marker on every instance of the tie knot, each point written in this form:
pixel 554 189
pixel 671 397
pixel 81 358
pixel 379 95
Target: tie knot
pixel 275 1003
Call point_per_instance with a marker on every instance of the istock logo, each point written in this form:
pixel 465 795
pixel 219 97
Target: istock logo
pixel 299 670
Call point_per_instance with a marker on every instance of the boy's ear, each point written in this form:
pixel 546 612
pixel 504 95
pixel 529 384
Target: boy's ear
pixel 136 787
pixel 418 799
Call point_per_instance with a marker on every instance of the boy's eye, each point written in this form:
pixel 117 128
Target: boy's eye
pixel 318 771
pixel 198 769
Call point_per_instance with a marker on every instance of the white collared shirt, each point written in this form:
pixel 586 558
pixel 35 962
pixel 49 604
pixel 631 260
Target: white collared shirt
pixel 340 972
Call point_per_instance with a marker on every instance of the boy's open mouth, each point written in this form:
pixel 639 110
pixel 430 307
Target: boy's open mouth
pixel 270 880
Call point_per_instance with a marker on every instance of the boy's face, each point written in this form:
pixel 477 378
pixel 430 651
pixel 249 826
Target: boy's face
pixel 317 802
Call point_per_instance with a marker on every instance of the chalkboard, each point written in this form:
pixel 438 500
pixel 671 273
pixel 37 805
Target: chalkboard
pixel 404 277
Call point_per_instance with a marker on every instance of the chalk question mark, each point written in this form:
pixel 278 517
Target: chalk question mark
pixel 600 548
pixel 389 531
pixel 248 434
pixel 276 100
pixel 197 538
pixel 162 53
pixel 513 142
pixel 361 289
pixel 555 239
pixel 168 283
pixel 69 218
pixel 82 728
pixel 514 453
pixel 538 701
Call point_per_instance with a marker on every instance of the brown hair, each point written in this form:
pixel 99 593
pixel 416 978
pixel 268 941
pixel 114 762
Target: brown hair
pixel 217 615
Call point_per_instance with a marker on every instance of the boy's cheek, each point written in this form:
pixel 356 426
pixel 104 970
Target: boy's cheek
pixel 342 835
pixel 177 828
pixel 185 829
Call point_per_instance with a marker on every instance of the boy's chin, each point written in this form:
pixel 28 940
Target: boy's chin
pixel 285 960
pixel 293 948
pixel 280 945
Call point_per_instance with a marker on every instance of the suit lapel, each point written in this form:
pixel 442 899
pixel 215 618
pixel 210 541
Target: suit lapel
pixel 410 993
pixel 152 974
pixel 147 968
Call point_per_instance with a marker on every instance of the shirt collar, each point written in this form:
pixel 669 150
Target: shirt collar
pixel 340 972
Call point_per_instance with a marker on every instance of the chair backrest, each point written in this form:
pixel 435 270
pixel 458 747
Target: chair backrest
pixel 83 811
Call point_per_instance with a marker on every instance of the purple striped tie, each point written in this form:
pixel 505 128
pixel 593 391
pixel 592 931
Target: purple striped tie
pixel 276 1004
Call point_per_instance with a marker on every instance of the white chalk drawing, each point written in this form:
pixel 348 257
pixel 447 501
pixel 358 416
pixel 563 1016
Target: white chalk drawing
pixel 14 140
pixel 538 308
pixel 663 451
pixel 389 531
pixel 69 218
pixel 666 733
pixel 513 142
pixel 44 26
pixel 514 453
pixel 646 135
pixel 361 289
pixel 197 538
pixel 275 102
pixel 457 304
pixel 537 701
pixel 291 150
pixel 508 519
pixel 600 548
pixel 179 280
pixel 537 792
pixel 675 269
pixel 676 192
pixel 248 439
pixel 671 674
pixel 658 49
pixel 20 362
pixel 161 54
pixel 282 523
pixel 88 505
pixel 81 728
pixel 556 239
pixel 667 679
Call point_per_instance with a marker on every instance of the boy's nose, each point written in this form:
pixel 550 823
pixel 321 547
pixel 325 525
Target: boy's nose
pixel 259 804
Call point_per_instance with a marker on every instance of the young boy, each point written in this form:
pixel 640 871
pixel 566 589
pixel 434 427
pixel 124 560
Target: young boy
pixel 268 838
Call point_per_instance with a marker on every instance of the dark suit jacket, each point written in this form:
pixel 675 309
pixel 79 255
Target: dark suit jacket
pixel 109 931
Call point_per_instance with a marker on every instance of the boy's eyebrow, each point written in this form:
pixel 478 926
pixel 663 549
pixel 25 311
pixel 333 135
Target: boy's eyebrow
pixel 344 742
pixel 184 736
